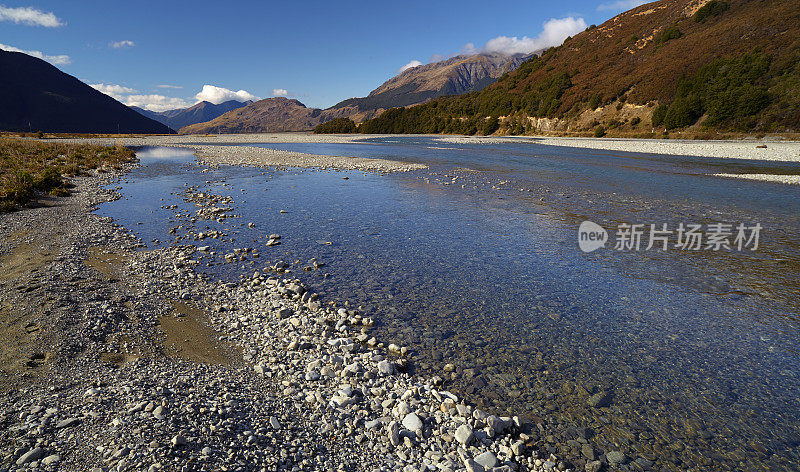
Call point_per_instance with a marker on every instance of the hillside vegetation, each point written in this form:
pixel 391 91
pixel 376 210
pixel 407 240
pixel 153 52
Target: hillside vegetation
pixel 731 66
pixel 28 167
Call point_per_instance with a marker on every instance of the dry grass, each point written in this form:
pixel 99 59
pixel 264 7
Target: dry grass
pixel 29 168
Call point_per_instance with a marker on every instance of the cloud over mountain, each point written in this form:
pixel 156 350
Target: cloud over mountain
pixel 113 90
pixel 410 65
pixel 156 102
pixel 60 59
pixel 217 95
pixel 554 32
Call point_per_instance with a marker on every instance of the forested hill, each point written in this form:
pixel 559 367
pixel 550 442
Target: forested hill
pixel 711 64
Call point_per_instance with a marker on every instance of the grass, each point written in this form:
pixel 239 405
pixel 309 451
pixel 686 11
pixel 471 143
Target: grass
pixel 30 168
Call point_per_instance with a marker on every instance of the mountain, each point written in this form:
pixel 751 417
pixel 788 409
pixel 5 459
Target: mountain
pixel 708 64
pixel 416 85
pixel 268 115
pixel 198 113
pixel 36 96
pixel 454 76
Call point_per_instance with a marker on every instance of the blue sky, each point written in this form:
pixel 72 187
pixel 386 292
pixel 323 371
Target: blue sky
pixel 319 52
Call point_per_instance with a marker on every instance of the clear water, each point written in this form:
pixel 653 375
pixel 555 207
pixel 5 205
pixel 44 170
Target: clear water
pixel 698 349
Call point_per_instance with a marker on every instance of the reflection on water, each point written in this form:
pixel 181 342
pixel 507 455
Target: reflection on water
pixel 694 355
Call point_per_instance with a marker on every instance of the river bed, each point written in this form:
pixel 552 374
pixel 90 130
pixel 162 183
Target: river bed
pixel 680 359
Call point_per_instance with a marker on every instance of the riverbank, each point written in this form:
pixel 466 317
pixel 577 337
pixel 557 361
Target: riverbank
pixel 745 149
pixel 123 359
pixel 234 150
pixel 770 150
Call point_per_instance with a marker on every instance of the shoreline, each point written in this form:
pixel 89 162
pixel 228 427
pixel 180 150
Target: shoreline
pixel 233 150
pixel 311 379
pixel 788 151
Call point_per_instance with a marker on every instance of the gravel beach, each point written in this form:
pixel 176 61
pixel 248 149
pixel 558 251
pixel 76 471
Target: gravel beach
pixel 120 359
pixel 233 150
pixel 745 149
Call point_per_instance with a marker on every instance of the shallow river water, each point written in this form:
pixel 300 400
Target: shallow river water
pixel 474 262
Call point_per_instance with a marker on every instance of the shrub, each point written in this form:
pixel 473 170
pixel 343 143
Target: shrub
pixel 730 91
pixel 635 121
pixel 599 132
pixel 658 114
pixel 669 33
pixel 491 125
pixel 28 167
pixel 684 111
pixel 594 102
pixel 710 10
pixel 336 125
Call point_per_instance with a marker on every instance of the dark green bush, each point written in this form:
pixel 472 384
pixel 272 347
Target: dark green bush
pixel 635 121
pixel 491 125
pixel 658 114
pixel 599 132
pixel 710 10
pixel 669 33
pixel 684 111
pixel 336 125
pixel 730 91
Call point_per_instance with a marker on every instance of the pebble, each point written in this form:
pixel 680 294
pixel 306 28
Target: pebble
pixel 464 435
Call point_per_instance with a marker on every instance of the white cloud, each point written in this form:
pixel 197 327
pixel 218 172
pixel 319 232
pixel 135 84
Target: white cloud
pixel 155 102
pixel 469 49
pixel 554 32
pixel 55 60
pixel 132 97
pixel 410 65
pixel 217 95
pixel 122 44
pixel 118 92
pixel 29 16
pixel 621 5
pixel 158 102
pixel 279 92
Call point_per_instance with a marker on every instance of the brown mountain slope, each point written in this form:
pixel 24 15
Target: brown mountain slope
pixel 268 115
pixel 454 76
pixel 197 113
pixel 623 55
pixel 738 67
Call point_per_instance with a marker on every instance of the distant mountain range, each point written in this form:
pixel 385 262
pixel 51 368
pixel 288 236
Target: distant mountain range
pixel 198 113
pixel 36 96
pixel 268 115
pixel 715 65
pixel 709 65
pixel 456 75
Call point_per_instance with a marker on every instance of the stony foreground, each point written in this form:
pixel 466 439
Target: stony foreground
pixel 114 359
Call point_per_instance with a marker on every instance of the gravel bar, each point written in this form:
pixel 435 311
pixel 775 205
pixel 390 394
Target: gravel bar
pixel 117 358
pixel 744 149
